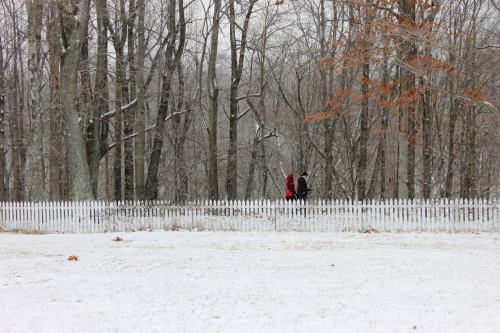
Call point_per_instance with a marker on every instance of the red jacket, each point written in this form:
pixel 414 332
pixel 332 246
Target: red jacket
pixel 290 193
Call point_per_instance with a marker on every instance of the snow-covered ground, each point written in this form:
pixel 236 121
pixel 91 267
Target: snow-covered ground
pixel 250 282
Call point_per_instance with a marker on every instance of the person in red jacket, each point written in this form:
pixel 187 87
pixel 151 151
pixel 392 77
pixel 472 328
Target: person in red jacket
pixel 290 193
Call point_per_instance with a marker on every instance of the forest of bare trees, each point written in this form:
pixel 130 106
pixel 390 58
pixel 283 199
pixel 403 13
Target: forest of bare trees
pixel 184 100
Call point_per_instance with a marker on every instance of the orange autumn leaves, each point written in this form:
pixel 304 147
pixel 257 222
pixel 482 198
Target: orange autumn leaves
pixel 385 97
pixel 382 35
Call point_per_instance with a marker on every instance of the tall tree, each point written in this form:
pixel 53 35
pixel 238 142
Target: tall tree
pixel 16 98
pixel 408 98
pixel 365 93
pixel 74 34
pixel 140 141
pixel 180 128
pixel 173 55
pixel 35 10
pixel 128 128
pixel 57 177
pixel 426 102
pixel 213 107
pixel 97 129
pixel 118 33
pixel 237 62
pixel 3 189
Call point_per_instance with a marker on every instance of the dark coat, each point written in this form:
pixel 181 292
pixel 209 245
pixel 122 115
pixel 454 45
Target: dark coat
pixel 302 190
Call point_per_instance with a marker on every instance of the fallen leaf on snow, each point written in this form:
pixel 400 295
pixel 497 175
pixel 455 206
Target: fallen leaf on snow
pixel 72 258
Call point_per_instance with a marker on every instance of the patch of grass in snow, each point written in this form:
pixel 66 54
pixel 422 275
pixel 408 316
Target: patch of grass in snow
pixel 23 231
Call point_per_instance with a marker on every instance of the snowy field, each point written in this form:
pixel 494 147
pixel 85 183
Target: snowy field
pixel 250 282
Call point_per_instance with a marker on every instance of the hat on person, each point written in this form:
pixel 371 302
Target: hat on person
pixel 304 174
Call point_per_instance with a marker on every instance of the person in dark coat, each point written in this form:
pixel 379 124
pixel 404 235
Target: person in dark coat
pixel 302 189
pixel 290 193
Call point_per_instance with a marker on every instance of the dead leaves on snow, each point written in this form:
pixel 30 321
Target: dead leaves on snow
pixel 369 230
pixel 73 258
pixel 117 239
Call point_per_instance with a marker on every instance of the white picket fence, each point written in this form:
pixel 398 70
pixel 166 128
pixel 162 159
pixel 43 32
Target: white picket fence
pixel 383 216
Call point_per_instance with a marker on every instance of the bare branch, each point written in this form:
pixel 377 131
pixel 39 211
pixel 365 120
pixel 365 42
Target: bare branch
pixel 126 107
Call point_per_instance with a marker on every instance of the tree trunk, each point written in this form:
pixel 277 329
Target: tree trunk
pixel 401 187
pixel 365 86
pixel 328 125
pixel 454 106
pixel 119 36
pixel 251 168
pixel 426 133
pixel 213 109
pixel 79 175
pixel 469 184
pixel 370 194
pixel 16 129
pixel 35 10
pixel 181 129
pixel 237 62
pixel 173 57
pixel 129 115
pixel 140 127
pixel 56 150
pixel 3 188
pixel 384 125
pixel 427 116
pixel 97 131
pixel 120 87
pixel 151 190
pixel 363 140
pixel 408 99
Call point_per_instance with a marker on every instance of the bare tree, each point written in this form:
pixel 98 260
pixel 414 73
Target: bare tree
pixel 237 62
pixel 140 127
pixel 173 55
pixel 35 10
pixel 73 36
pixel 3 189
pixel 213 96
